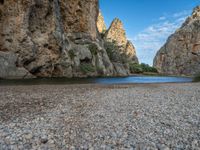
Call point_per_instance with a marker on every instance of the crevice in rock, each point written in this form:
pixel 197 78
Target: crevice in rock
pixel 86 60
pixel 194 53
pixel 27 62
pixel 64 42
pixel 36 70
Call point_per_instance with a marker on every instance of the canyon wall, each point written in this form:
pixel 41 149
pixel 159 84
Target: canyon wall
pixel 52 39
pixel 181 54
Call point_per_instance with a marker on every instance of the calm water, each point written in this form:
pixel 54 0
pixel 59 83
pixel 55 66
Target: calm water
pixel 113 80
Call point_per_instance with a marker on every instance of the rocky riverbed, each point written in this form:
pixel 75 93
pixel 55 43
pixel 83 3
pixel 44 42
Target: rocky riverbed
pixel 141 117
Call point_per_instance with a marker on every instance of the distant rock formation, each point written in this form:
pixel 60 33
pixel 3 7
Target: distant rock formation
pixel 101 26
pixel 117 34
pixel 181 54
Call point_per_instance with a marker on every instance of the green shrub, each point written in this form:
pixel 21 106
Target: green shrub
pixel 135 68
pixel 110 49
pixel 147 68
pixel 124 58
pixel 114 53
pixel 71 54
pixel 141 68
pixel 87 68
pixel 93 49
pixel 197 78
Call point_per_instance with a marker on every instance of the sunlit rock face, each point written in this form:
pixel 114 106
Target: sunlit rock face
pixel 101 26
pixel 51 39
pixel 117 34
pixel 181 53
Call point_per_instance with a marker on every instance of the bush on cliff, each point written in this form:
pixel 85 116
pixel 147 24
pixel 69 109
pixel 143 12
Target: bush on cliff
pixel 93 49
pixel 87 68
pixel 114 53
pixel 71 54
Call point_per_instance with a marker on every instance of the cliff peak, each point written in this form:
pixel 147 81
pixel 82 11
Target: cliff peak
pixel 101 26
pixel 117 33
pixel 194 16
pixel 196 12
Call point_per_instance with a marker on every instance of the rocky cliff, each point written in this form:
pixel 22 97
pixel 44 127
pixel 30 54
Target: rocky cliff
pixel 124 51
pixel 181 54
pixel 52 39
pixel 117 34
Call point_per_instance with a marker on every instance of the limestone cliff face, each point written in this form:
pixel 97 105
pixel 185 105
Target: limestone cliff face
pixel 117 34
pixel 181 54
pixel 101 24
pixel 51 39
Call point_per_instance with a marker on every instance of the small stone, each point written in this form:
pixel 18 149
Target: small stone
pixel 44 139
pixel 28 136
pixel 195 144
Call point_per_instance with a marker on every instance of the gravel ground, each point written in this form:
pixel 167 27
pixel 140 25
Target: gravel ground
pixel 141 117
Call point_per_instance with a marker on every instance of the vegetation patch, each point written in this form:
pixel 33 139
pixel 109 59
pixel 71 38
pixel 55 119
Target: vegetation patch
pixel 93 49
pixel 87 68
pixel 71 54
pixel 147 68
pixel 114 53
pixel 135 68
pixel 141 68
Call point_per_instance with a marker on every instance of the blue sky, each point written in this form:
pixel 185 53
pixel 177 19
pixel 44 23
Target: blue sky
pixel 148 23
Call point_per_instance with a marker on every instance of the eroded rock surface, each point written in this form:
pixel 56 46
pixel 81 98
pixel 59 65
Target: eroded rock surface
pixel 9 69
pixel 52 38
pixel 181 54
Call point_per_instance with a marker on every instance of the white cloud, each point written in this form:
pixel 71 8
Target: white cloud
pixel 149 41
pixel 162 18
pixel 180 14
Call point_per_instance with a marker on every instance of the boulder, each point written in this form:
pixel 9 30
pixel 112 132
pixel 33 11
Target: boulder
pixel 9 68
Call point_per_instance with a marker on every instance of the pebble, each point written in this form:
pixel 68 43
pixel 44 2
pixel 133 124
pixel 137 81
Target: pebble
pixel 44 139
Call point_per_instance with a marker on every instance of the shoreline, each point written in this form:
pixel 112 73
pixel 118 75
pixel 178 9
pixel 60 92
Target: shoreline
pixel 98 80
pixel 102 85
